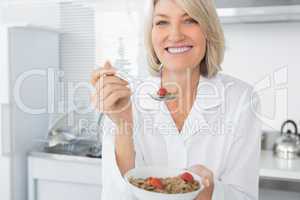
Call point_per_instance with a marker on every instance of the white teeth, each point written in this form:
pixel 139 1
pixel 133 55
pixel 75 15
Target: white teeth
pixel 178 50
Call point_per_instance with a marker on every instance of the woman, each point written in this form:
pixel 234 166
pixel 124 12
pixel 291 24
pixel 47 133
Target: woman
pixel 209 128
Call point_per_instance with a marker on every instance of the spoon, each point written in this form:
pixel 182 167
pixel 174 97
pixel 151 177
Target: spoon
pixel 161 95
pixel 167 97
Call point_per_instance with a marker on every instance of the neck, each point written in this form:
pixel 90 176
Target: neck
pixel 182 82
pixel 185 84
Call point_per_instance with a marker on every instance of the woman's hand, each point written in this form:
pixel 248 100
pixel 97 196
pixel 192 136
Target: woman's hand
pixel 207 181
pixel 112 96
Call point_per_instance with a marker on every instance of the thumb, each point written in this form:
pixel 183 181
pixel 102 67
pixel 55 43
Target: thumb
pixel 206 182
pixel 107 65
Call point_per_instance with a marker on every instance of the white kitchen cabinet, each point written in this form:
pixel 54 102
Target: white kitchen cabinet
pixel 278 190
pixel 61 177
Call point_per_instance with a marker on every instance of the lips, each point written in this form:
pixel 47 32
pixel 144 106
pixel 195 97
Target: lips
pixel 178 50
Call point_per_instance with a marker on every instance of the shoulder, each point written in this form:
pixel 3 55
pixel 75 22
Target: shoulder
pixel 238 94
pixel 233 83
pixel 234 89
pixel 242 103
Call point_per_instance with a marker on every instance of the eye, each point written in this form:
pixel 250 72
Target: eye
pixel 161 23
pixel 190 21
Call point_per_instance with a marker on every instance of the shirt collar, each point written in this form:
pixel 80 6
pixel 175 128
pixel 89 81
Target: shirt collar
pixel 210 95
pixel 210 92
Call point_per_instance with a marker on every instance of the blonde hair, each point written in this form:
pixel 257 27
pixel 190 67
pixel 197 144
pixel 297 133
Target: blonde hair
pixel 204 12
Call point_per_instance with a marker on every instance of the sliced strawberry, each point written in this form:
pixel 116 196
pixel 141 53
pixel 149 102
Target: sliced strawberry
pixel 155 182
pixel 187 177
pixel 148 181
pixel 162 92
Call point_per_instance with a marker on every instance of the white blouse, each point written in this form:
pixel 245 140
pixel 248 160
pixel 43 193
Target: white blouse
pixel 221 132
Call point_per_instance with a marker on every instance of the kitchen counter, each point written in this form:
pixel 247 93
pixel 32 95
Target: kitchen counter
pixel 270 166
pixel 63 157
pixel 79 151
pixel 280 169
pixel 59 176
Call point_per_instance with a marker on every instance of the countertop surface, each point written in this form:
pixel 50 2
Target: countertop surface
pixel 275 168
pixel 270 166
pixel 64 157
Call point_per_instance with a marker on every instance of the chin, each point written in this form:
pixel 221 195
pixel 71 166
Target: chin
pixel 179 66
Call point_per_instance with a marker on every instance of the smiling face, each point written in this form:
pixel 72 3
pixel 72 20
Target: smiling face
pixel 177 39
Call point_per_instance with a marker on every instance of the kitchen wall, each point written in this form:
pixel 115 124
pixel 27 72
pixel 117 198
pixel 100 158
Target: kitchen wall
pixel 77 58
pixel 43 14
pixel 267 55
pixel 119 28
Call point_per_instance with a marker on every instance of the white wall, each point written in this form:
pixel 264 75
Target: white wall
pixel 41 14
pixel 257 51
pixel 115 19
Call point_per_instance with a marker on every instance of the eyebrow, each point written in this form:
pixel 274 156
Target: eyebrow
pixel 166 16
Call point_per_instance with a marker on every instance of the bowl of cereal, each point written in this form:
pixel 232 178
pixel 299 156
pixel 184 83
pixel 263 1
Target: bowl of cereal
pixel 162 183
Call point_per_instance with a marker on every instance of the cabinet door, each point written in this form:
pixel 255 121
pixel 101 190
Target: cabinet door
pixel 51 179
pixel 52 190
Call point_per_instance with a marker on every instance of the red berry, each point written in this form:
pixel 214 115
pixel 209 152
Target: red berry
pixel 162 92
pixel 155 182
pixel 148 181
pixel 187 177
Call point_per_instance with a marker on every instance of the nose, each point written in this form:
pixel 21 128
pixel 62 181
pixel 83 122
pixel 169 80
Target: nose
pixel 176 33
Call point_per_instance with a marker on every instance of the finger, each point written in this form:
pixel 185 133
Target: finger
pixel 95 102
pixel 101 72
pixel 206 182
pixel 106 80
pixel 111 88
pixel 96 74
pixel 116 96
pixel 107 65
pixel 104 105
pixel 203 172
pixel 199 170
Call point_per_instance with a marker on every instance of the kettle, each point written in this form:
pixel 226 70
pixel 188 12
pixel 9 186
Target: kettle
pixel 287 146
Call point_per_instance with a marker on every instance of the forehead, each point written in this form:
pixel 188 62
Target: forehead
pixel 168 7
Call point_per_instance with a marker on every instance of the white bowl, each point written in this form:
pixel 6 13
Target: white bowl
pixel 159 172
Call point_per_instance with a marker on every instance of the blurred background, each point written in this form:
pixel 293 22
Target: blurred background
pixel 50 143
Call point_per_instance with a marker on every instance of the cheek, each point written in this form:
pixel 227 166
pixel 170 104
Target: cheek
pixel 156 41
pixel 201 44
